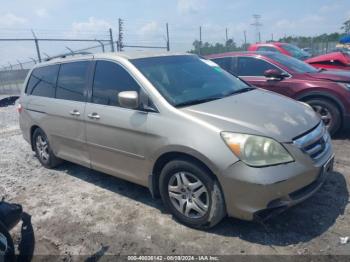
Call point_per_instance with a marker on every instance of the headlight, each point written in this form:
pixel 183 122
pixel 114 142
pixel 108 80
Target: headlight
pixel 256 150
pixel 345 85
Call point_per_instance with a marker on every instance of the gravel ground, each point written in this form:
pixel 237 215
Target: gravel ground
pixel 75 210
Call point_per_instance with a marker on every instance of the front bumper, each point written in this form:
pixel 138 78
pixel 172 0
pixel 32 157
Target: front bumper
pixel 256 193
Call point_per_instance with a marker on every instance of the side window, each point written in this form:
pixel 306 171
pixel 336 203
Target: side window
pixel 224 62
pixel 72 79
pixel 250 66
pixel 268 48
pixel 110 79
pixel 42 81
pixel 227 63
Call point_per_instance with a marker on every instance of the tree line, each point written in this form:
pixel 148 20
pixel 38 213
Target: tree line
pixel 207 48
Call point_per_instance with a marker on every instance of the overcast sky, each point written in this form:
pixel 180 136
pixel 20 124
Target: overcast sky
pixel 145 21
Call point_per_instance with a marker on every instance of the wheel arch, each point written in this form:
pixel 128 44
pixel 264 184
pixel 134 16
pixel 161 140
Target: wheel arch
pixel 168 156
pixel 322 95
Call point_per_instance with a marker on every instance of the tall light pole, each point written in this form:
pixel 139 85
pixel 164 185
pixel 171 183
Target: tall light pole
pixel 257 26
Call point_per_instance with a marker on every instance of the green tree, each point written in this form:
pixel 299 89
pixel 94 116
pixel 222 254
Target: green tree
pixel 208 48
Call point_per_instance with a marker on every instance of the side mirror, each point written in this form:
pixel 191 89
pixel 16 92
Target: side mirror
pixel 274 74
pixel 128 99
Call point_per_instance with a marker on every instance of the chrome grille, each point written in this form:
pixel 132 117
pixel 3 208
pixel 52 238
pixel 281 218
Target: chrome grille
pixel 315 143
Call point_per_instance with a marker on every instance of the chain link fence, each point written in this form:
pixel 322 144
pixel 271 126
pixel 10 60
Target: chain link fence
pixel 11 81
pixel 316 48
pixel 13 75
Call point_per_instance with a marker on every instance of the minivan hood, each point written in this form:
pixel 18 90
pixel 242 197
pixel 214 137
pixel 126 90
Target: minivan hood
pixel 257 112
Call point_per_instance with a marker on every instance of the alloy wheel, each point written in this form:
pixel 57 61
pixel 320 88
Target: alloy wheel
pixel 42 148
pixel 188 195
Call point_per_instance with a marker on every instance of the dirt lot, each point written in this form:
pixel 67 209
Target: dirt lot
pixel 75 210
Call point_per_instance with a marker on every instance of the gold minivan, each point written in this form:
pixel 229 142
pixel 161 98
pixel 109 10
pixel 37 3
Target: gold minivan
pixel 208 143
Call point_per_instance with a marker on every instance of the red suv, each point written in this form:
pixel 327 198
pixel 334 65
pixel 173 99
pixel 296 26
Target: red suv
pixel 328 92
pixel 283 48
pixel 334 61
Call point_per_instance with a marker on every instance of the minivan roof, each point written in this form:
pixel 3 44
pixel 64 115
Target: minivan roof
pixel 111 55
pixel 139 54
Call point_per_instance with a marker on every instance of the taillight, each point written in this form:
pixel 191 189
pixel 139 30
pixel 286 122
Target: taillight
pixel 19 108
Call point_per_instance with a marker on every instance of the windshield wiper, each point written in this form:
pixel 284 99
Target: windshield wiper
pixel 199 101
pixel 239 91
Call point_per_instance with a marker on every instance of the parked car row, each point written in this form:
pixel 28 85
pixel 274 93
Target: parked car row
pixel 336 60
pixel 327 92
pixel 206 142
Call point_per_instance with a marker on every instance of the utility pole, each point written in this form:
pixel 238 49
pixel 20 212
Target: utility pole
pixel 257 26
pixel 37 46
pixel 200 40
pixel 245 39
pixel 167 38
pixel 226 35
pixel 120 34
pixel 111 39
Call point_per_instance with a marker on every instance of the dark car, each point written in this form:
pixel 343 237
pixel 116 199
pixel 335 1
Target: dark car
pixel 328 92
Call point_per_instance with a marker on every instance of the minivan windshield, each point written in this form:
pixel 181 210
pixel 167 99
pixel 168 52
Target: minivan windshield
pixel 185 80
pixel 292 63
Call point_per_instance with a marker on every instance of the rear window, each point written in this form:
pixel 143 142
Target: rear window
pixel 72 79
pixel 42 81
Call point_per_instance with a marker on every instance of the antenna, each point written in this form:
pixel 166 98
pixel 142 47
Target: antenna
pixel 257 26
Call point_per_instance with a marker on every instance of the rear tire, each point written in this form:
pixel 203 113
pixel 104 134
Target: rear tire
pixel 329 113
pixel 43 150
pixel 191 194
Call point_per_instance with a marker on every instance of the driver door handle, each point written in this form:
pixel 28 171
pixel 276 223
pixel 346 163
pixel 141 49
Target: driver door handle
pixel 74 112
pixel 93 116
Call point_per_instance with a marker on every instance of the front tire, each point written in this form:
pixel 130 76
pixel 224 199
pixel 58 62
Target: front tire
pixel 43 150
pixel 328 112
pixel 191 194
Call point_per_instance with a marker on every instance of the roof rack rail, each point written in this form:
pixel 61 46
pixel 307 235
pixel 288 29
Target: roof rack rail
pixel 67 54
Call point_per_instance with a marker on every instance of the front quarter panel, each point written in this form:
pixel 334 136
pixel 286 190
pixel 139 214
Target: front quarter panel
pixel 184 134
